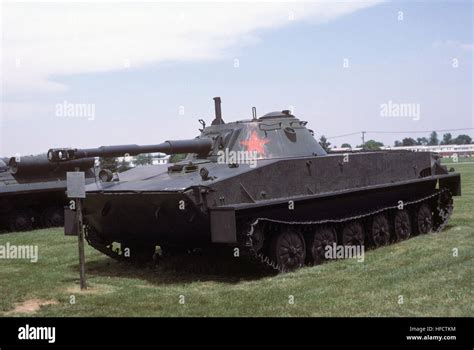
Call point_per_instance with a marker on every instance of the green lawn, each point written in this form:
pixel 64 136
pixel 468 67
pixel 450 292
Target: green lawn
pixel 451 161
pixel 423 270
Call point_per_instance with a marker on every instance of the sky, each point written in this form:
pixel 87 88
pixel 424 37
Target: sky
pixel 78 74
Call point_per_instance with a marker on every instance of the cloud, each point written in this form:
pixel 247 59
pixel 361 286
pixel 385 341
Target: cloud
pixel 43 41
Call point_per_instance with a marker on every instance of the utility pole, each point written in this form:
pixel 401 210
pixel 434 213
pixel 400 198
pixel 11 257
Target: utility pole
pixel 363 139
pixel 82 259
pixel 76 192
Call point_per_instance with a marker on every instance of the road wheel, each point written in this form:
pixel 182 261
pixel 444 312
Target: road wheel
pixel 287 250
pixel 380 230
pixel 424 219
pixel 353 234
pixel 402 225
pixel 317 242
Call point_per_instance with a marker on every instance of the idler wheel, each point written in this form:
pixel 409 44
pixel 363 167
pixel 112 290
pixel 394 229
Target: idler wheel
pixel 317 243
pixel 424 219
pixel 380 230
pixel 258 238
pixel 444 209
pixel 353 234
pixel 287 250
pixel 402 225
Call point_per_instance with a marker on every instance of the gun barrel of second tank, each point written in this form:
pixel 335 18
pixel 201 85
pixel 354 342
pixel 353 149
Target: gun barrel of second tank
pixel 199 146
pixel 38 165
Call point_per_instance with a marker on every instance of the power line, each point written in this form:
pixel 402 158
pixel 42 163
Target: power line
pixel 353 133
pixel 398 132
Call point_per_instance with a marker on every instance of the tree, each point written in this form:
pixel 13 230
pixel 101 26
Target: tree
pixel 398 143
pixel 447 139
pixel 433 141
pixel 175 158
pixel 123 166
pixel 408 141
pixel 422 141
pixel 109 163
pixel 144 159
pixel 324 143
pixel 346 145
pixel 462 140
pixel 372 145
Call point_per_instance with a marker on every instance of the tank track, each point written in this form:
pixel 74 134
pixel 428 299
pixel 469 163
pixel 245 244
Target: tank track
pixel 442 212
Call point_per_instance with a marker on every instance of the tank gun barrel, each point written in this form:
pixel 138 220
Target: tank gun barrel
pixel 37 165
pixel 199 146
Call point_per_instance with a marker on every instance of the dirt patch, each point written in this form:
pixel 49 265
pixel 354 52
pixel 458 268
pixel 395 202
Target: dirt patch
pixel 91 289
pixel 29 306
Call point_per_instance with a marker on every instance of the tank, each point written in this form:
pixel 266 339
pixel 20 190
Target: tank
pixel 264 188
pixel 32 191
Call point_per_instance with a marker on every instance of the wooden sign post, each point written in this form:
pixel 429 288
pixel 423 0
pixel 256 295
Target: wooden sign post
pixel 76 191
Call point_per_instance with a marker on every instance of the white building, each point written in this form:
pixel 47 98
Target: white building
pixel 160 158
pixel 156 158
pixel 443 150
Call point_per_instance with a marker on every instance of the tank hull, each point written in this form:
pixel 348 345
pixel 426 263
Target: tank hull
pixel 148 218
pixel 320 187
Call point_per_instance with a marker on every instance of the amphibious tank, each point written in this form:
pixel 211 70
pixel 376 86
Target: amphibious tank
pixel 32 191
pixel 265 187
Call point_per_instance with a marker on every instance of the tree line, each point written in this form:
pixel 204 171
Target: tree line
pixel 432 140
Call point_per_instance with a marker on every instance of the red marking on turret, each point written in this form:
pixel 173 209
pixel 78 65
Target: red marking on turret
pixel 255 143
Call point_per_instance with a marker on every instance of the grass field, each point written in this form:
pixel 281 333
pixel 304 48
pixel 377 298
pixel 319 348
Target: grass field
pixel 460 160
pixel 422 271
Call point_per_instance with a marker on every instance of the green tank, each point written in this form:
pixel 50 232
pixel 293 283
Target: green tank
pixel 266 187
pixel 32 191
